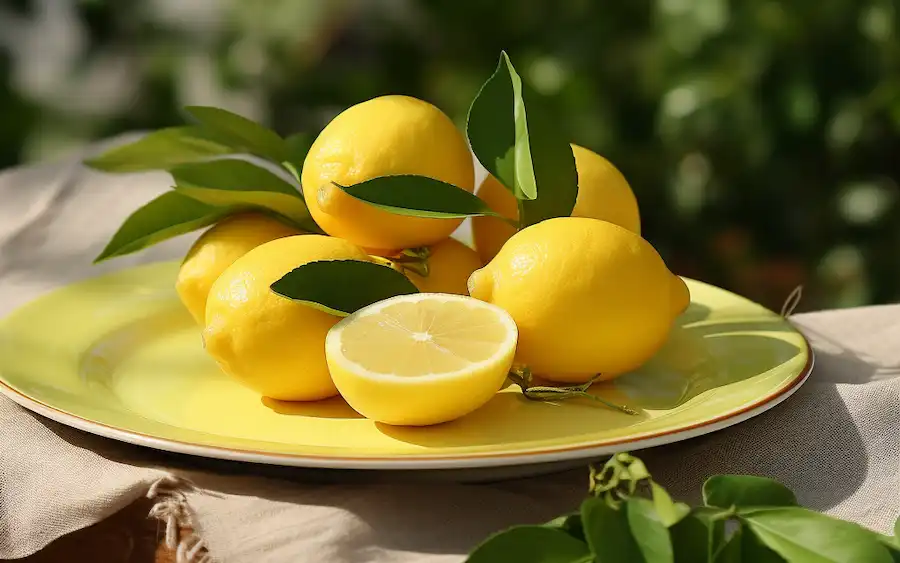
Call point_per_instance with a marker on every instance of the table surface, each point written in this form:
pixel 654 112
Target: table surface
pixel 128 536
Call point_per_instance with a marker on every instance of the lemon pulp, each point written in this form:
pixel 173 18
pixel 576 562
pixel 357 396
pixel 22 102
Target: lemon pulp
pixel 421 359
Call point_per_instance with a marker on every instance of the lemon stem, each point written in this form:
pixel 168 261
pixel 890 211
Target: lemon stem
pixel 412 259
pixel 522 377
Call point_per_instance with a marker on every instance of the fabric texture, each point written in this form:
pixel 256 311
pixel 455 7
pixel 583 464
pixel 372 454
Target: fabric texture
pixel 835 442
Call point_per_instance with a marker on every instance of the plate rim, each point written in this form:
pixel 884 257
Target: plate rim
pixel 465 461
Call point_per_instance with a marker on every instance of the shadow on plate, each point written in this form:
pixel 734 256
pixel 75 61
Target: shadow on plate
pixel 701 356
pixel 336 407
pixel 509 418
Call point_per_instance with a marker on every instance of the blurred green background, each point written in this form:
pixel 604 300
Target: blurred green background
pixel 762 137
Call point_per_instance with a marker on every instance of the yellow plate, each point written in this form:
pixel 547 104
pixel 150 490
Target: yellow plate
pixel 118 356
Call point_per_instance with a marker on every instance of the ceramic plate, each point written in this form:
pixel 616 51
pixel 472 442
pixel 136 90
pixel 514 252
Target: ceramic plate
pixel 119 357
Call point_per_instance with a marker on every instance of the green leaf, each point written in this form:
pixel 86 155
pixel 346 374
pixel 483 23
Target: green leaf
pixel 341 287
pixel 647 528
pixel 159 150
pixel 698 536
pixel 491 127
pixel 730 552
pixel 418 196
pixel 669 512
pixel 745 491
pixel 240 133
pixel 754 551
pixel 238 182
pixel 531 544
pixel 801 535
pixel 897 531
pixel 167 216
pixel 607 533
pixel 522 148
pixel 889 542
pixel 570 524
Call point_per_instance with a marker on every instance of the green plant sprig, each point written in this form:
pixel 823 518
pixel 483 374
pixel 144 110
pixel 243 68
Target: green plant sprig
pixel 522 376
pixel 630 518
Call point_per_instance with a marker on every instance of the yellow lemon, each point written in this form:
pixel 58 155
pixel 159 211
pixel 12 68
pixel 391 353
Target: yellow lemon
pixel 421 359
pixel 267 342
pixel 450 264
pixel 384 136
pixel 603 193
pixel 589 297
pixel 217 249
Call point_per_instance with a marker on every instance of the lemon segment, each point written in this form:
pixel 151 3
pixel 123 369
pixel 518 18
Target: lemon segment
pixel 421 359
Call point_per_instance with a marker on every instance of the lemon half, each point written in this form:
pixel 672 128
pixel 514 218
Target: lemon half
pixel 421 359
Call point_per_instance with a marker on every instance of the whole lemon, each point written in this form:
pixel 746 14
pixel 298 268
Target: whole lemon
pixel 589 297
pixel 384 136
pixel 218 248
pixel 450 265
pixel 603 193
pixel 267 342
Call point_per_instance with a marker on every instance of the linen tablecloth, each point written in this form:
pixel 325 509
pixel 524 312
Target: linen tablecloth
pixel 836 442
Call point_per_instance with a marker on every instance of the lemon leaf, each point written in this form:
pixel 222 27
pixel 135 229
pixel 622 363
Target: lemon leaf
pixel 725 491
pixel 240 133
pixel 531 544
pixel 798 534
pixel 342 287
pixel 159 150
pixel 653 539
pixel 518 142
pixel 165 217
pixel 230 182
pixel 418 196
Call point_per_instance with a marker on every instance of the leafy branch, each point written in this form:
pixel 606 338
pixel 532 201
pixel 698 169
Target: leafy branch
pixel 211 172
pixel 521 376
pixel 630 518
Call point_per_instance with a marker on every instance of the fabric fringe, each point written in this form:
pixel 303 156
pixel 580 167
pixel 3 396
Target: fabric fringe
pixel 171 508
pixel 792 301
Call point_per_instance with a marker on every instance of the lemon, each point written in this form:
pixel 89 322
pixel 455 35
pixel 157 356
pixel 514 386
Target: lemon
pixel 217 249
pixel 269 343
pixel 384 136
pixel 421 359
pixel 603 193
pixel 589 297
pixel 450 264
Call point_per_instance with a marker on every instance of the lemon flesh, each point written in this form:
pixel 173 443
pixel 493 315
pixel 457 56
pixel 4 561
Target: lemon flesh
pixel 421 359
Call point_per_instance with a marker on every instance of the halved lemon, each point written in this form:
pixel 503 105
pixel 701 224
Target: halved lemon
pixel 421 359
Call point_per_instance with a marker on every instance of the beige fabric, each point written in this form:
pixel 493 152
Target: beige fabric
pixel 836 442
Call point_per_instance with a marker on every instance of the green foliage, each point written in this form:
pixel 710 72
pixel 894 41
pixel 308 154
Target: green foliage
pixel 516 141
pixel 233 182
pixel 418 196
pixel 618 524
pixel 159 150
pixel 342 287
pixel 169 215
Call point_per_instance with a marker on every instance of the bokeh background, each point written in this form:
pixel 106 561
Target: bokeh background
pixel 762 137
